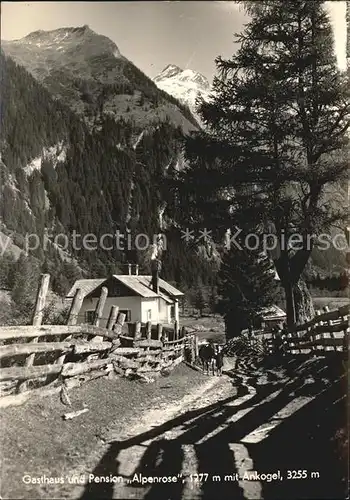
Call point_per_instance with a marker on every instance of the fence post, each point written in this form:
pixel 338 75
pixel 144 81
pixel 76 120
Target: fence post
pixel 75 307
pixel 99 310
pixel 37 318
pixel 148 330
pixel 196 348
pixel 159 331
pixel 137 331
pixel 72 318
pixel 329 323
pixel 314 348
pixel 119 324
pixel 112 317
pixel 100 305
pixel 176 330
pixel 40 301
pixel 192 348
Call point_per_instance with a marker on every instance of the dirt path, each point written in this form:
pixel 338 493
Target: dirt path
pixel 106 461
pixel 234 436
pixel 238 436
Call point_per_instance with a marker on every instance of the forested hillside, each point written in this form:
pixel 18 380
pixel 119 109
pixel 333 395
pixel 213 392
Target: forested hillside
pixel 59 175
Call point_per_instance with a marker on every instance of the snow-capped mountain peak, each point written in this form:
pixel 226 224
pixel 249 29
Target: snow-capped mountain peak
pixel 185 85
pixel 188 75
pixel 168 72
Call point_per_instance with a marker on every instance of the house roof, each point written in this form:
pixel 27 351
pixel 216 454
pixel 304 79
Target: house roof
pixel 86 286
pixel 141 284
pixel 166 298
pixel 169 289
pixel 163 285
pixel 137 285
pixel 273 312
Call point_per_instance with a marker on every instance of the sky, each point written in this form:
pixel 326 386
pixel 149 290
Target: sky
pixel 153 34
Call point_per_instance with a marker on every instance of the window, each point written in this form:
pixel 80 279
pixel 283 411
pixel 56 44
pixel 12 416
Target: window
pixel 149 314
pixel 89 317
pixel 172 312
pixel 127 313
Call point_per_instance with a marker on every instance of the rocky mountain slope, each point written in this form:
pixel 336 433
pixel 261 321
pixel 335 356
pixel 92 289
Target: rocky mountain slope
pixel 185 85
pixel 86 143
pixel 86 71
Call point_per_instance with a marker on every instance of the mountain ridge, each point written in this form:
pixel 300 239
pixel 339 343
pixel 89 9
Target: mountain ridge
pixel 86 71
pixel 92 171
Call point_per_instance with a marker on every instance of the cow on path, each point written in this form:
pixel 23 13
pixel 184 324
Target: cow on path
pixel 207 357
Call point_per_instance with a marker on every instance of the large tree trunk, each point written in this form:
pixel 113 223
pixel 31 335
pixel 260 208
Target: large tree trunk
pixel 287 281
pixel 298 299
pixel 304 306
pixel 290 304
pixel 299 303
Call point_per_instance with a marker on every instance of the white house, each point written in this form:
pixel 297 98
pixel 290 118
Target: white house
pixel 141 298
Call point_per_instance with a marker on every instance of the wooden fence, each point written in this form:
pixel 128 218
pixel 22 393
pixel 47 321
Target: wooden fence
pixel 39 360
pixel 328 331
pixel 190 348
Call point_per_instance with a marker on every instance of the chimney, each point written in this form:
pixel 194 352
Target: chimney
pixel 129 269
pixel 155 268
pixel 137 269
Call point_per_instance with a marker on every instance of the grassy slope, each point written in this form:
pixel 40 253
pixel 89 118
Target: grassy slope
pixel 208 327
pixel 331 302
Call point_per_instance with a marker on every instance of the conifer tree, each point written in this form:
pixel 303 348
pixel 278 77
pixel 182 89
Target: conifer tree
pixel 199 300
pixel 7 263
pixel 213 299
pixel 246 286
pixel 275 136
pixel 25 284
